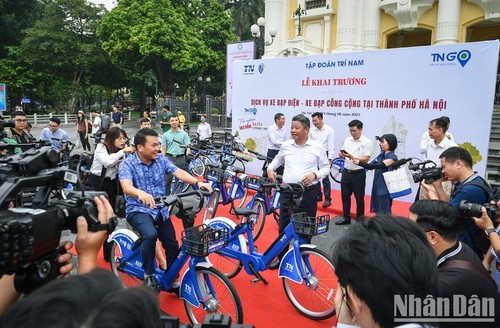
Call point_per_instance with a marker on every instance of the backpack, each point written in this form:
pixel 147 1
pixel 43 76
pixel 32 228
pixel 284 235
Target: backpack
pixel 105 123
pixel 480 240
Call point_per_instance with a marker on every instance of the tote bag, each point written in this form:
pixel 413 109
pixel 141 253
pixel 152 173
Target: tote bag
pixel 397 182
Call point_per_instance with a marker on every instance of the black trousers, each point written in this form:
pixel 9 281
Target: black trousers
pixel 271 153
pixel 308 204
pixel 180 162
pixel 353 183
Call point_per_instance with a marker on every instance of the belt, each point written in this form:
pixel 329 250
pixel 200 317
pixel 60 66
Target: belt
pixel 311 187
pixel 175 156
pixel 354 171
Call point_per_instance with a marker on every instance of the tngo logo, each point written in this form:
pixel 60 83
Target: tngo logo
pixel 462 56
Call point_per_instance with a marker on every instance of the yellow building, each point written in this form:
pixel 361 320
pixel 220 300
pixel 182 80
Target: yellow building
pixel 326 26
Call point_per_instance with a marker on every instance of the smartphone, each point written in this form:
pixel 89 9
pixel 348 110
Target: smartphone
pixel 343 151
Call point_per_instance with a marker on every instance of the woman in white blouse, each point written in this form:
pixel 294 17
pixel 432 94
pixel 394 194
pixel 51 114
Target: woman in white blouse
pixel 109 155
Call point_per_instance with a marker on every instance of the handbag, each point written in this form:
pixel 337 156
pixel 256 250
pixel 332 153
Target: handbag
pixel 397 183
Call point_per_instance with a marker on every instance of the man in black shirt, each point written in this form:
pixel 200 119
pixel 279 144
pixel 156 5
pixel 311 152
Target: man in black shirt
pixel 461 276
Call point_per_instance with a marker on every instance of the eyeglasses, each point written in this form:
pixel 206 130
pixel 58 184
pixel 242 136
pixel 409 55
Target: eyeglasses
pixel 122 138
pixel 19 120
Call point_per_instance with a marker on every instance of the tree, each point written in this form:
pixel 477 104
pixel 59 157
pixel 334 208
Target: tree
pixel 63 44
pixel 244 13
pixel 173 38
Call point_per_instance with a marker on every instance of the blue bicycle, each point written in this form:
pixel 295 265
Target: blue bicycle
pixel 308 273
pixel 204 289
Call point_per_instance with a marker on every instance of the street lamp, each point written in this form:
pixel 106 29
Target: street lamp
pixel 298 13
pixel 259 37
pixel 204 82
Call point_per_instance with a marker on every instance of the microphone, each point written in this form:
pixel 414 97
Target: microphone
pixel 400 162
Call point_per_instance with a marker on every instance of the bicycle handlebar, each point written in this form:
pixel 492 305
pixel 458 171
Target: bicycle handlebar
pixel 177 199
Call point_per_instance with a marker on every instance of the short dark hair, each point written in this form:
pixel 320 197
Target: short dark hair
pixel 277 116
pixel 55 120
pixel 391 140
pixel 317 114
pixel 93 110
pixel 142 134
pixel 17 113
pixel 304 120
pixel 453 154
pixel 356 123
pixel 440 123
pixel 144 120
pixel 167 107
pixel 174 116
pixel 397 261
pixel 94 299
pixel 439 216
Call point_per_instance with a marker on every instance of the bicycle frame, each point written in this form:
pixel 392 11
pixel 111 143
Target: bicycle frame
pixel 235 191
pixel 132 264
pixel 271 203
pixel 289 267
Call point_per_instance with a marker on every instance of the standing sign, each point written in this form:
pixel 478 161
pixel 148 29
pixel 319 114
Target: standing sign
pixel 3 97
pixel 235 51
pixel 394 91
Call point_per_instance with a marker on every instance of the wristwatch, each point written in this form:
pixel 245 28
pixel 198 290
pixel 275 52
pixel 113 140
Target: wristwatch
pixel 490 230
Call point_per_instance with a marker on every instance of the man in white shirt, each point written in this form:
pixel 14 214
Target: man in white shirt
pixel 426 139
pixel 305 161
pixel 353 180
pixel 325 135
pixel 204 130
pixel 276 135
pixel 439 142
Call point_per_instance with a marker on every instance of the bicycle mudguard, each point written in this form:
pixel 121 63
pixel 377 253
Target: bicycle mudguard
pixel 187 291
pixel 288 266
pixel 238 244
pixel 124 237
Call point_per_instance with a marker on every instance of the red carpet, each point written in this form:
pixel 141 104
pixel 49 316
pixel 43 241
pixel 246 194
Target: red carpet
pixel 264 305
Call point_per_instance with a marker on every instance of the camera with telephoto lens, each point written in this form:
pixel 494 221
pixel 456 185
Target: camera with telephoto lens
pixel 472 209
pixel 30 236
pixel 425 172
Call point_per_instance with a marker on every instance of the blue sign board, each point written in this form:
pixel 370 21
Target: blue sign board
pixel 26 100
pixel 3 97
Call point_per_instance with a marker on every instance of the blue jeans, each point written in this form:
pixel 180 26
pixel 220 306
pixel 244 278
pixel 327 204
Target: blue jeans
pixel 151 230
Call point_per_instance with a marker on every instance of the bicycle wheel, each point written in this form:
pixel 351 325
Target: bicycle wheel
pixel 219 296
pixel 197 167
pixel 259 219
pixel 211 205
pixel 116 255
pixel 336 169
pixel 315 301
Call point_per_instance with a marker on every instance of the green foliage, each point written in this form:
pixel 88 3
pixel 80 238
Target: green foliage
pixel 215 111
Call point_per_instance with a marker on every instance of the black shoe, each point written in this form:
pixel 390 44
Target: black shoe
pixel 151 282
pixel 327 203
pixel 274 265
pixel 343 221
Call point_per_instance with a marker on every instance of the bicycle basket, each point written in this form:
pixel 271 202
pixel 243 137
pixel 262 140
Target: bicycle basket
pixel 255 183
pixel 202 240
pixel 193 154
pixel 215 175
pixel 310 225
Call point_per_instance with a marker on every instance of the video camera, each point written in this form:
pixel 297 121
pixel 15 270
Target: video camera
pixel 472 209
pixel 425 172
pixel 30 236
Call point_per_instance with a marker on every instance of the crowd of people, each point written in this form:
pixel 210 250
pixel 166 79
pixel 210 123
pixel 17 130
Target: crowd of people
pixel 381 261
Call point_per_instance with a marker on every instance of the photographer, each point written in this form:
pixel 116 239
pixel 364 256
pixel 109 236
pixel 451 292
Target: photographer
pixel 456 166
pixel 19 133
pixel 87 246
pixel 485 223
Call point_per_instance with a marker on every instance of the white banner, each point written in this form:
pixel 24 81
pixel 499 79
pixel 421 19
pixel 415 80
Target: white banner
pixel 235 51
pixel 391 91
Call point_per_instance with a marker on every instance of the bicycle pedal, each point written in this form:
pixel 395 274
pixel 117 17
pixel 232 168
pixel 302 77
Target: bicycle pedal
pixel 255 280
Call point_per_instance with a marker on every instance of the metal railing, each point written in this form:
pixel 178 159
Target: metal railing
pixel 37 119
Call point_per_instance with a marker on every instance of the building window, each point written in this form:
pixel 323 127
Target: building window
pixel 313 4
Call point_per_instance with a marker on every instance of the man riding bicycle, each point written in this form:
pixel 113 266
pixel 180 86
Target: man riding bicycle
pixel 143 176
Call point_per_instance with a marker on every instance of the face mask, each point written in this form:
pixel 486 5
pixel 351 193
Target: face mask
pixel 203 121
